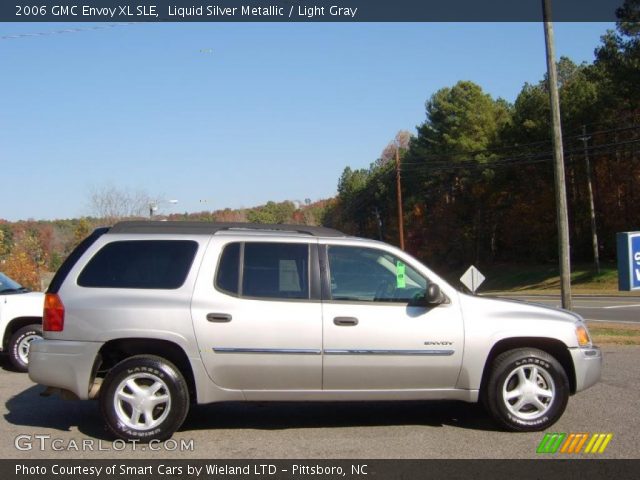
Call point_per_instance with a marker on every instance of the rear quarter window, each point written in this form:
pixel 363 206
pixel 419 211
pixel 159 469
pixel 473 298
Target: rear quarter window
pixel 143 264
pixel 228 269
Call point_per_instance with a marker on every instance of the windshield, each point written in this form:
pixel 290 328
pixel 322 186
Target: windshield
pixel 8 285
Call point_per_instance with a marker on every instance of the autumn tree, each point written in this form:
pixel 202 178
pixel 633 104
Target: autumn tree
pixel 3 247
pixel 27 259
pixel 272 212
pixel 20 267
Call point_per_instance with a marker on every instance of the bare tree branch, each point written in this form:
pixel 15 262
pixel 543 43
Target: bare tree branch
pixel 112 203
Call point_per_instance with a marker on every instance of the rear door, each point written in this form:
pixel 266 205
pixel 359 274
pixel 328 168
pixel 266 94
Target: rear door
pixel 257 315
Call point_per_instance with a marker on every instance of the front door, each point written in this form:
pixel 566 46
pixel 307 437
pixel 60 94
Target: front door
pixel 375 334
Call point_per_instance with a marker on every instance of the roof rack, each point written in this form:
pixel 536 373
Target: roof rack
pixel 208 228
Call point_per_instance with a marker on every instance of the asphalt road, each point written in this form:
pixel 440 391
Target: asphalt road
pixel 324 431
pixel 594 308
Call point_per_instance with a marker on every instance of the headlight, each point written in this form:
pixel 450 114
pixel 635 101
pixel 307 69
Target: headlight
pixel 582 334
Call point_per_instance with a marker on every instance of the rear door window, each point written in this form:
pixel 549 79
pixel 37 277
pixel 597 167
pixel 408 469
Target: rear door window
pixel 264 270
pixel 276 270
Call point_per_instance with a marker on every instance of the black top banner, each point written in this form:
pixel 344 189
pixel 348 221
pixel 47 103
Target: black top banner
pixel 306 10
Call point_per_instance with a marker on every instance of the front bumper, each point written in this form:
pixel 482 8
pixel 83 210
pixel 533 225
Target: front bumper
pixel 63 364
pixel 587 363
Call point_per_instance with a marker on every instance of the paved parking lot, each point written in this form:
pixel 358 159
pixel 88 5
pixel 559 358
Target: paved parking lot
pixel 56 428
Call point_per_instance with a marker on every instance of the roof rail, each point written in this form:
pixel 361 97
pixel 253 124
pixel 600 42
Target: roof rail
pixel 208 228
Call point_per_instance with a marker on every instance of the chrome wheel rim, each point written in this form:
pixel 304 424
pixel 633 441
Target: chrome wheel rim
pixel 23 347
pixel 528 392
pixel 142 401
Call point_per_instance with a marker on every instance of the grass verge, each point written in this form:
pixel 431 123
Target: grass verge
pixel 544 279
pixel 604 333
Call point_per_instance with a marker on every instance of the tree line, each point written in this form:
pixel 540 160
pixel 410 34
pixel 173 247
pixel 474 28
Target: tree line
pixel 477 176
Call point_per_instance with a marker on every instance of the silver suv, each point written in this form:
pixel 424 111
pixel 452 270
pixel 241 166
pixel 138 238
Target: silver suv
pixel 150 317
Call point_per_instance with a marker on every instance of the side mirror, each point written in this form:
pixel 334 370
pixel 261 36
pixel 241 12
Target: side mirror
pixel 433 295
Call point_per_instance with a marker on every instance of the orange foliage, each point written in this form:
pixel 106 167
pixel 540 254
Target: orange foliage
pixel 20 267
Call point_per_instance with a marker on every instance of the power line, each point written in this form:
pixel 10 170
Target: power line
pixel 525 145
pixel 612 130
pixel 64 31
pixel 630 116
pixel 525 158
pixel 366 196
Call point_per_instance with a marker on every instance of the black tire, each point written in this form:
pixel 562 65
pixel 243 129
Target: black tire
pixel 166 407
pixel 542 381
pixel 19 345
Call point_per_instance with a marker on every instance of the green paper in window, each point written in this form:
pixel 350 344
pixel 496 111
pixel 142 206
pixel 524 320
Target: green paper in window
pixel 400 278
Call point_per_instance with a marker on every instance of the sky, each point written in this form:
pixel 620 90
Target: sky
pixel 233 115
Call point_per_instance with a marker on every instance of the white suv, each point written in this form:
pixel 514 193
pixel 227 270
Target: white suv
pixel 151 317
pixel 20 320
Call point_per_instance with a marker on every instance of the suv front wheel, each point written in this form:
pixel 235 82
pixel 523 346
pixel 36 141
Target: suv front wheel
pixel 527 390
pixel 144 398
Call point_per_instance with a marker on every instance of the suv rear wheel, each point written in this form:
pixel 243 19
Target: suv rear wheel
pixel 144 398
pixel 19 345
pixel 527 390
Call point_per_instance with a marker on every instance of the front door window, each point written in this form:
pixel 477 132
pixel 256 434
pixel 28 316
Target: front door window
pixel 370 275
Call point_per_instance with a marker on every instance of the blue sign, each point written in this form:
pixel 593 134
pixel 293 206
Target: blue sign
pixel 628 261
pixel 635 252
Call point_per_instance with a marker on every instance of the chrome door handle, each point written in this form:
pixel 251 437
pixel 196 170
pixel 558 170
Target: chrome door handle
pixel 219 317
pixel 345 321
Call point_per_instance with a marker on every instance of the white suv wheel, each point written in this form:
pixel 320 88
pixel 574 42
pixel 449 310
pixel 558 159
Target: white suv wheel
pixel 23 347
pixel 20 343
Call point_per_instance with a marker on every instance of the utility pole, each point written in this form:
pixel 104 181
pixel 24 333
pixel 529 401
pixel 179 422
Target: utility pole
pixel 399 190
pixel 592 209
pixel 560 186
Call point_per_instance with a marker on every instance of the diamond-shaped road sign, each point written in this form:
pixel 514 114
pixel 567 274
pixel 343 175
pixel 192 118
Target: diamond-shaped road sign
pixel 472 279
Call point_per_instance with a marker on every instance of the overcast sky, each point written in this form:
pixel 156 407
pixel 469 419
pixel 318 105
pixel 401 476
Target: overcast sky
pixel 234 115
